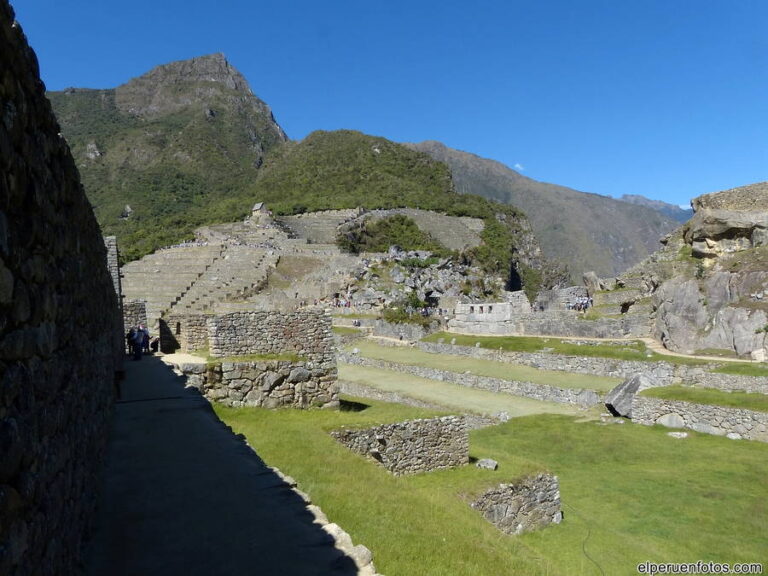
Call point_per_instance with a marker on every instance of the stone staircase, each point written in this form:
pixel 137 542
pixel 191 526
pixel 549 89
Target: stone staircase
pixel 162 278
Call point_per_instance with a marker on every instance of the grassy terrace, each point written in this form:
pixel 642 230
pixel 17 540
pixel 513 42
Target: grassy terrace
pixel 620 350
pixel 452 396
pixel 503 370
pixel 630 494
pixel 759 370
pixel 746 400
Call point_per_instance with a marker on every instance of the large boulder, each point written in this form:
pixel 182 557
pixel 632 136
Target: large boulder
pixel 619 400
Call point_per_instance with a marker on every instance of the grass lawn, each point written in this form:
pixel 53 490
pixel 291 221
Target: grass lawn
pixel 620 350
pixel 452 396
pixel 502 370
pixel 345 330
pixel 746 400
pixel 760 370
pixel 630 493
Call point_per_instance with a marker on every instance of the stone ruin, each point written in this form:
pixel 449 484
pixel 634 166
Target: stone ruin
pixel 413 446
pixel 59 321
pixel 524 505
pixel 299 365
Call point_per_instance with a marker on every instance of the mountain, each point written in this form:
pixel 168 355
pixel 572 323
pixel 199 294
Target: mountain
pixel 585 231
pixel 674 211
pixel 349 169
pixel 168 151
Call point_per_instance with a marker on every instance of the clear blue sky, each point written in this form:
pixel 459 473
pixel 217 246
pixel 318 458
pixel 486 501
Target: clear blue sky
pixel 665 98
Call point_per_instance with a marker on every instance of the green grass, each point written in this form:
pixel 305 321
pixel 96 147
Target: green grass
pixel 619 350
pixel 453 396
pixel 746 400
pixel 630 493
pixel 503 370
pixel 345 330
pixel 720 352
pixel 760 370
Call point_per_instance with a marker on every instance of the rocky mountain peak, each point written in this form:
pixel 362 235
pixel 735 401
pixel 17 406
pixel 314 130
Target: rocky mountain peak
pixel 170 87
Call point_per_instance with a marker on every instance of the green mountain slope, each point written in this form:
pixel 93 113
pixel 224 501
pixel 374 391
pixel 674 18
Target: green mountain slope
pixel 585 231
pixel 178 145
pixel 347 169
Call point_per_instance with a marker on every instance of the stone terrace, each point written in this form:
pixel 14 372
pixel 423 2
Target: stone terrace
pixel 162 278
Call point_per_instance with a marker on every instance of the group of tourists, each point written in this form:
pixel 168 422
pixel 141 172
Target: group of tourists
pixel 139 342
pixel 582 304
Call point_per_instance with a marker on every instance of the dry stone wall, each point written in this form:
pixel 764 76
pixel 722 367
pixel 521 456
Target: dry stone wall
pixel 306 332
pixel 664 373
pixel 134 313
pixel 558 324
pixel 56 341
pixel 271 384
pixel 735 423
pixel 525 505
pixel 184 332
pixel 585 398
pixel 413 446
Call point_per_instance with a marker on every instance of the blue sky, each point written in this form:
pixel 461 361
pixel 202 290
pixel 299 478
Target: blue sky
pixel 661 98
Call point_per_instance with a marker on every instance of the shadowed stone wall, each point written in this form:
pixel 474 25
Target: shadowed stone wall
pixel 413 446
pixel 134 313
pixel 525 505
pixel 56 339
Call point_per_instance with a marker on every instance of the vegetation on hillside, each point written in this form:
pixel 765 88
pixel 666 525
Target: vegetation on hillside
pixel 378 235
pixel 348 169
pixel 176 172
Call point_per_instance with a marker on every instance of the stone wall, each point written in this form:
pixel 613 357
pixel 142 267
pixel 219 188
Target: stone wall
pixel 306 332
pixel 403 331
pixel 493 312
pixel 585 398
pixel 732 422
pixel 118 338
pixel 56 356
pixel 271 383
pixel 567 324
pixel 184 332
pixel 525 505
pixel 413 446
pixel 664 372
pixel 134 313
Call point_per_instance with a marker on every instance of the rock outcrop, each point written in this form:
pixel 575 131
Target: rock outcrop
pixel 708 287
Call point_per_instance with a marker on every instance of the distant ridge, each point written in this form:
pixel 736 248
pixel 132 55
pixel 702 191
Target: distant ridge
pixel 675 212
pixel 585 231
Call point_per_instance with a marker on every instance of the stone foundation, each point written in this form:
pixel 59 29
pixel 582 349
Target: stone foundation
pixel 732 422
pixel 413 446
pixel 271 383
pixel 525 505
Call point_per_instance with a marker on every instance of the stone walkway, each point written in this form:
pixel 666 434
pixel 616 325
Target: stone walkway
pixel 182 495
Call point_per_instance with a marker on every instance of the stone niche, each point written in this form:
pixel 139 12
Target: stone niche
pixel 524 505
pixel 413 446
